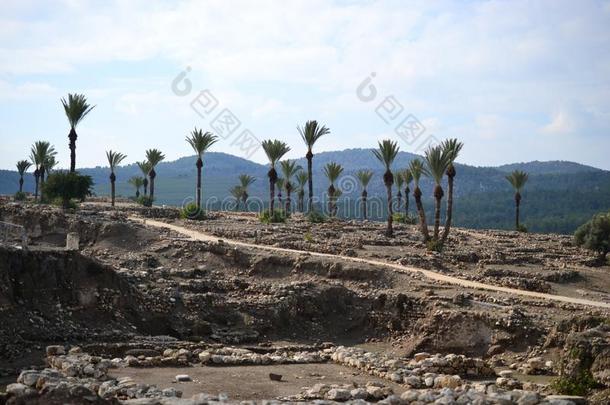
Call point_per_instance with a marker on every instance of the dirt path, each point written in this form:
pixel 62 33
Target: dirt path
pixel 432 275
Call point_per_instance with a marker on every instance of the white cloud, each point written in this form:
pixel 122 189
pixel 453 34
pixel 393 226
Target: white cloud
pixel 561 123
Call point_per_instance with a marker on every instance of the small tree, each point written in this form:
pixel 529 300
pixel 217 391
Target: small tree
pixel 114 159
pixel 245 180
pixel 364 177
pixel 517 179
pixel 66 186
pixel 595 235
pixel 137 182
pixel 22 167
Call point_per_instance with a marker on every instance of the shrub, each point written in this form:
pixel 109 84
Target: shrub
pixel 522 228
pixel 191 211
pixel 20 196
pixel 65 186
pixel 595 235
pixel 266 218
pixel 316 217
pixel 434 245
pixel 401 218
pixel 145 200
pixel 580 385
pixel 308 237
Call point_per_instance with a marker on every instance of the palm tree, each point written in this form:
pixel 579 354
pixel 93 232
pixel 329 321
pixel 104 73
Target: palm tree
pixel 154 157
pixel 452 148
pixel 386 154
pixel 289 170
pixel 50 163
pixel 437 163
pixel 22 167
pixel 245 180
pixel 302 180
pixel 407 176
pixel 310 133
pixel 517 179
pixel 114 159
pixel 332 171
pixel 145 169
pixel 275 150
pixel 237 193
pixel 76 108
pixel 200 142
pixel 40 154
pixel 416 167
pixel 137 182
pixel 364 177
pixel 399 182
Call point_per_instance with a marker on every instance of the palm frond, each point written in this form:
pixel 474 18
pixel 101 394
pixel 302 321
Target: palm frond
pixel 517 179
pixel 41 151
pixel 201 141
pixel 136 181
pixel 290 168
pixel 311 132
pixel 275 150
pixel 437 162
pixel 76 108
pixel 452 148
pixel 154 157
pixel 386 153
pixel 364 177
pixel 145 167
pixel 302 178
pixel 114 159
pixel 416 167
pixel 23 166
pixel 332 171
pixel 246 180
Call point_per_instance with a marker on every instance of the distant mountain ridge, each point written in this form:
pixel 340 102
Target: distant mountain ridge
pixel 558 197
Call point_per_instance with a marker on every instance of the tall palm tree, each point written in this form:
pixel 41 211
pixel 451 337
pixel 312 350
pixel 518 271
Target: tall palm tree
pixel 154 157
pixel 200 142
pixel 310 133
pixel 114 159
pixel 407 176
pixel 40 154
pixel 364 177
pixel 137 182
pixel 22 167
pixel 275 150
pixel 289 170
pixel 245 180
pixel 416 167
pixel 399 182
pixel 437 163
pixel 145 169
pixel 452 148
pixel 301 180
pixel 76 108
pixel 386 154
pixel 332 171
pixel 517 179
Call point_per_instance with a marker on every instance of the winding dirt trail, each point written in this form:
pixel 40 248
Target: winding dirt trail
pixel 432 275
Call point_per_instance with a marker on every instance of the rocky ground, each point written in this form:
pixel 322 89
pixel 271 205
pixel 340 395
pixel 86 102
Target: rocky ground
pixel 141 298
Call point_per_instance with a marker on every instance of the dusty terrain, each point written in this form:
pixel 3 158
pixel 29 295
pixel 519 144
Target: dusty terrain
pixel 130 280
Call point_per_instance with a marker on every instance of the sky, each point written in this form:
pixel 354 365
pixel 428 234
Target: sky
pixel 514 80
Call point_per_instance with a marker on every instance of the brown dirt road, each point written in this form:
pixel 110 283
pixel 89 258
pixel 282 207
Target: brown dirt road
pixel 432 275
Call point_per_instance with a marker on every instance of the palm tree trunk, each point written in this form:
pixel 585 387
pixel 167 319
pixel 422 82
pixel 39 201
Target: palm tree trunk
pixel 407 202
pixel 422 214
pixel 37 179
pixel 398 200
pixel 21 184
pixel 389 232
pixel 41 181
pixel 271 196
pixel 152 176
pixel 112 189
pixel 517 204
pixel 72 138
pixel 309 157
pixel 145 185
pixel 138 193
pixel 199 165
pixel 438 195
pixel 364 195
pixel 288 202
pixel 449 213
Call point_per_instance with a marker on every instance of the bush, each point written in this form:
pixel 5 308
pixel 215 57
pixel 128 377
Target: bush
pixel 316 217
pixel 434 245
pixel 65 186
pixel 20 196
pixel 266 218
pixel 580 385
pixel 145 200
pixel 191 211
pixel 522 228
pixel 401 218
pixel 595 235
